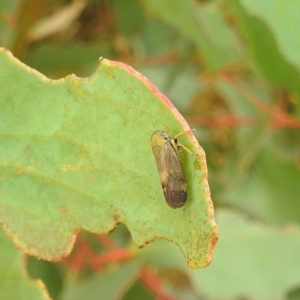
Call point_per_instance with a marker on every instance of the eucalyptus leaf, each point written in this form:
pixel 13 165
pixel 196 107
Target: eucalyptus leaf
pixel 76 154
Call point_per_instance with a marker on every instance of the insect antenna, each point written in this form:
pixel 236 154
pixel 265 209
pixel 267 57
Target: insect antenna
pixel 181 133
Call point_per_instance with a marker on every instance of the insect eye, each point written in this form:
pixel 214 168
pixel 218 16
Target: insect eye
pixel 164 135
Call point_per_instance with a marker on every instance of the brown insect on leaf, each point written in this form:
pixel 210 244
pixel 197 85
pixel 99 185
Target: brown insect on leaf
pixel 169 166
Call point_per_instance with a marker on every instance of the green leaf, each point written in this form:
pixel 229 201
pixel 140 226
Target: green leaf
pixel 14 282
pixel 252 261
pixel 263 46
pixel 75 154
pixel 204 26
pixel 260 194
pixel 112 283
pixel 284 24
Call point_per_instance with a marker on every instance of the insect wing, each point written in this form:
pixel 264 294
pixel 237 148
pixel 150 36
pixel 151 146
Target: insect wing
pixel 171 174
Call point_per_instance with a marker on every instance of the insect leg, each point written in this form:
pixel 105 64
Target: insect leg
pixel 185 148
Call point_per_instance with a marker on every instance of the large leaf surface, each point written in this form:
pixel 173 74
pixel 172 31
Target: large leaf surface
pixel 75 154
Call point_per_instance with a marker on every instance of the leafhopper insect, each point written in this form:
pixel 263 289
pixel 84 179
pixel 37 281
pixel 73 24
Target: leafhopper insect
pixel 166 152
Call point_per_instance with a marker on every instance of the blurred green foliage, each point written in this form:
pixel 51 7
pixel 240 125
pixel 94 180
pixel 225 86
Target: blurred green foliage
pixel 232 68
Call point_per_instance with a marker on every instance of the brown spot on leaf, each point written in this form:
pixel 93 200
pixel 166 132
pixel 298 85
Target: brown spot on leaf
pixel 63 209
pixel 19 172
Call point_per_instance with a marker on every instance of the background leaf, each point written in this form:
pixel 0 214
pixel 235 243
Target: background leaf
pixel 256 261
pixel 14 282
